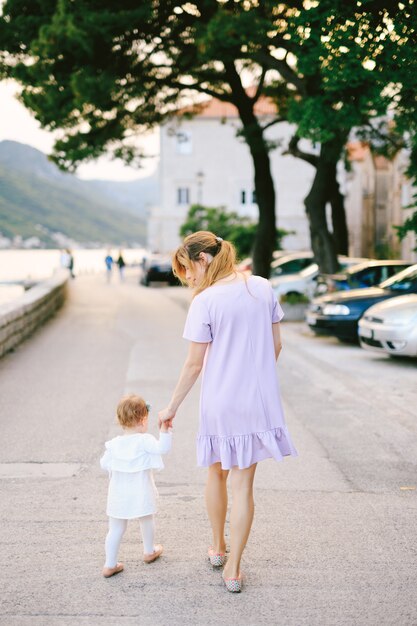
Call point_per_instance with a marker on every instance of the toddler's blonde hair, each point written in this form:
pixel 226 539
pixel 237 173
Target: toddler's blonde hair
pixel 131 410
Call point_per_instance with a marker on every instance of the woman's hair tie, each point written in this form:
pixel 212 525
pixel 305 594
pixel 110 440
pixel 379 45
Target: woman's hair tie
pixel 219 239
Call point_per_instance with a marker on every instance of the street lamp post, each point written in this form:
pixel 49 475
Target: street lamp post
pixel 200 179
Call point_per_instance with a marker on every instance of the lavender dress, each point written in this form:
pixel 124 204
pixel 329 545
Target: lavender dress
pixel 241 416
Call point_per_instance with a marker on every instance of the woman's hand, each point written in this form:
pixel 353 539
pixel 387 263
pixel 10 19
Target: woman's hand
pixel 166 416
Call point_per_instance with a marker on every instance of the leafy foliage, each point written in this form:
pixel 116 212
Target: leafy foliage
pixel 103 73
pixel 410 225
pixel 229 225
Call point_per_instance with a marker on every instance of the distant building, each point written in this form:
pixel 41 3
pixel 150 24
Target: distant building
pixel 377 192
pixel 202 161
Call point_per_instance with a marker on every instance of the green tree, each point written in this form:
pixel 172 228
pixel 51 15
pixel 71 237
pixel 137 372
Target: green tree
pixel 238 229
pixel 404 90
pixel 102 73
pixel 346 56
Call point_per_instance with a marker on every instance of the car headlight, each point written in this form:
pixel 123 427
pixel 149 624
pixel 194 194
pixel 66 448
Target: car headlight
pixel 336 309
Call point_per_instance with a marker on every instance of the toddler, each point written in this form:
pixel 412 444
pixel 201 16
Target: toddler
pixel 130 459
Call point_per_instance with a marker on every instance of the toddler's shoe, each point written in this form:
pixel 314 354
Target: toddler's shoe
pixel 111 571
pixel 217 559
pixel 150 558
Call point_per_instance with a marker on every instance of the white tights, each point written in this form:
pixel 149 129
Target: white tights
pixel 117 529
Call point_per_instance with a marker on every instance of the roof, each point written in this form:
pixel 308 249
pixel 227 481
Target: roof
pixel 357 150
pixel 215 108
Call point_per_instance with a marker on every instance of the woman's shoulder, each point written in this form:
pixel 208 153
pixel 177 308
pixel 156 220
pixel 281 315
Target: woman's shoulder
pixel 260 283
pixel 260 280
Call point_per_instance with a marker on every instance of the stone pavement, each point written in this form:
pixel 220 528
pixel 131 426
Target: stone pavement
pixel 334 537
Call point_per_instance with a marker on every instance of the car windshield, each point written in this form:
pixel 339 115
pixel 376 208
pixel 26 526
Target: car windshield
pixel 405 280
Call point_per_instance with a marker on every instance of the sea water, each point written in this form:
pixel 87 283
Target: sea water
pixel 37 265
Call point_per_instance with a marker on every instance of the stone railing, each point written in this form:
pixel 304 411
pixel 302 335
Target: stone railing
pixel 20 317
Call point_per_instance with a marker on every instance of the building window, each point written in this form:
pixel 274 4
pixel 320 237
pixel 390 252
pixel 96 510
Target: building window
pixel 243 197
pixel 184 142
pixel 254 200
pixel 183 195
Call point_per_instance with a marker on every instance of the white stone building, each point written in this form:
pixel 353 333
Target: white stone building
pixel 376 194
pixel 202 161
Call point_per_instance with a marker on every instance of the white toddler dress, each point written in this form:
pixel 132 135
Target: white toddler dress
pixel 130 459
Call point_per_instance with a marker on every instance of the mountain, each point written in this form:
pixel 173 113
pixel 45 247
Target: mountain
pixel 136 196
pixel 38 200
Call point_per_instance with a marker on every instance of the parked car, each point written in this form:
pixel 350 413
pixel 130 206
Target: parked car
pixel 366 274
pixel 291 263
pixel 280 257
pixel 304 282
pixel 157 268
pixel 338 313
pixel 391 327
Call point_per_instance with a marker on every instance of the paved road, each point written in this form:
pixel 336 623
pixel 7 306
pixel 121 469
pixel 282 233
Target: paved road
pixel 334 538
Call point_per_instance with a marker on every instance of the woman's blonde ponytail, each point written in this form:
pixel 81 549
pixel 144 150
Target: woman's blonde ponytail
pixel 222 251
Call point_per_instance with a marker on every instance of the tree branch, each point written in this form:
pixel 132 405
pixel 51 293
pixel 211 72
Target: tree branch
pixel 396 141
pixel 284 70
pixel 277 120
pixel 294 150
pixel 224 97
pixel 260 85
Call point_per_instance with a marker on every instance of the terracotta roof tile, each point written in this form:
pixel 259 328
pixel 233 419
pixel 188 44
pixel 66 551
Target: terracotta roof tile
pixel 217 108
pixel 357 150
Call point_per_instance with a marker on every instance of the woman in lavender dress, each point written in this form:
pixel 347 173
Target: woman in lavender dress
pixel 233 327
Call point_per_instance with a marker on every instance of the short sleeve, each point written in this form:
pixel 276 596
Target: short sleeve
pixel 277 312
pixel 197 326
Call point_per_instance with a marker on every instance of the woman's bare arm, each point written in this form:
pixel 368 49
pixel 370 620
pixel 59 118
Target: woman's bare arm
pixel 276 332
pixel 189 374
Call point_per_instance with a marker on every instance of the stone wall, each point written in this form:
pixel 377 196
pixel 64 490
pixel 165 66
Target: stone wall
pixel 21 317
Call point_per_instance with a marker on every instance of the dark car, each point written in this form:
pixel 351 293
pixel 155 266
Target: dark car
pixel 157 269
pixel 338 313
pixel 365 274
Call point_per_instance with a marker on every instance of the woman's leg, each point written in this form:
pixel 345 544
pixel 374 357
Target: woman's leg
pixel 241 517
pixel 216 503
pixel 117 528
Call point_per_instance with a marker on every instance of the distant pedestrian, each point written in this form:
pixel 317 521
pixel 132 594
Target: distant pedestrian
pixel 109 265
pixel 67 261
pixel 64 259
pixel 234 332
pixel 121 263
pixel 130 459
pixel 71 263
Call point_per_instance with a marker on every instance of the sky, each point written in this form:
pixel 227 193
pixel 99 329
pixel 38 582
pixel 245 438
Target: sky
pixel 18 124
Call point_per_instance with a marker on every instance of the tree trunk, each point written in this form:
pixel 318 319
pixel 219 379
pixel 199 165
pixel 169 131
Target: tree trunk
pixel 340 231
pixel 265 238
pixel 264 185
pixel 322 241
pixel 325 189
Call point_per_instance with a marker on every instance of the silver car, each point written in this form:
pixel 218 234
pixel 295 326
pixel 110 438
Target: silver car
pixel 391 326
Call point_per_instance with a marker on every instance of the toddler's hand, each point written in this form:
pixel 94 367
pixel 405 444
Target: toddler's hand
pixel 166 415
pixel 166 426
